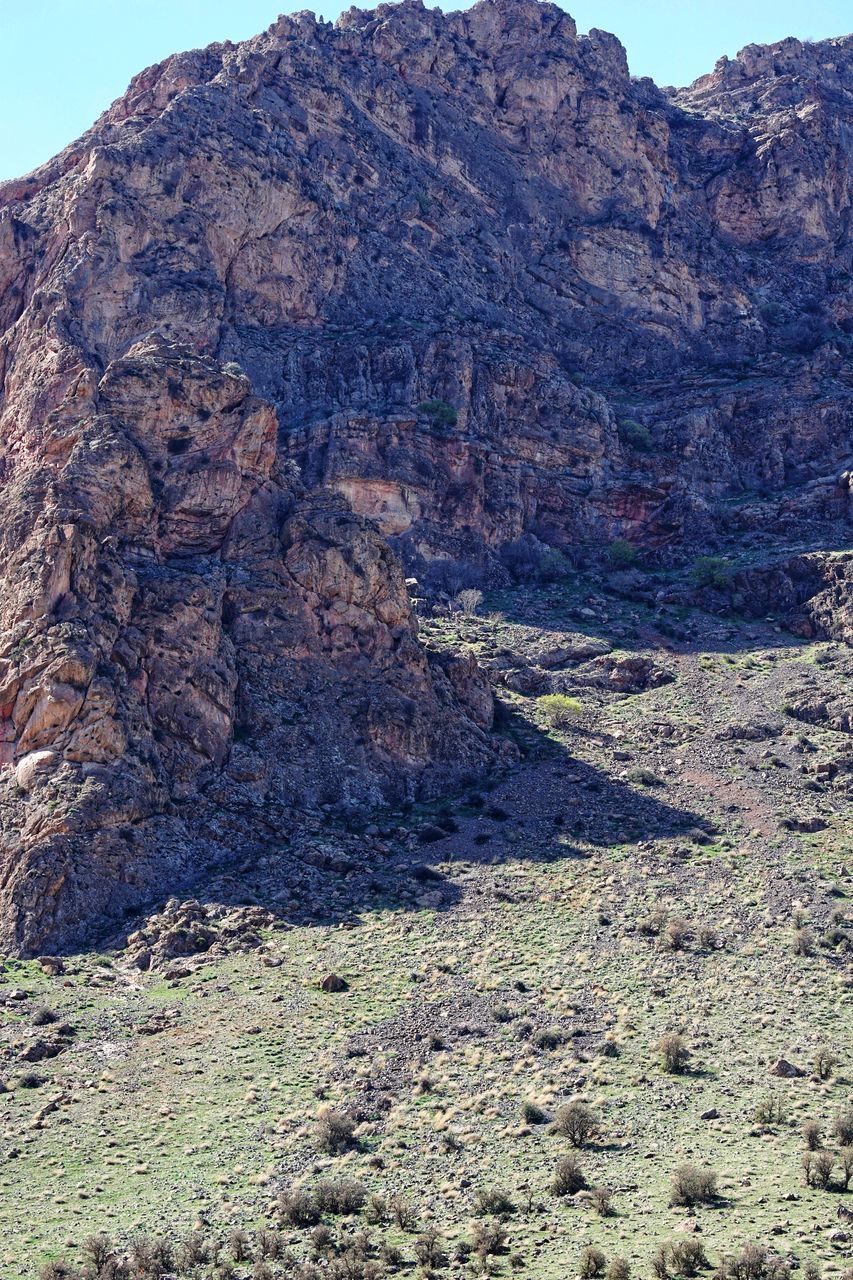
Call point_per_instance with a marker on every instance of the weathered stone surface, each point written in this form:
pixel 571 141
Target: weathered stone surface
pixel 463 271
pixel 194 646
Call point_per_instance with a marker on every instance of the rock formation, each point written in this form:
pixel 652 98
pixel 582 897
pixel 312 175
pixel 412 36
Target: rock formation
pixel 456 280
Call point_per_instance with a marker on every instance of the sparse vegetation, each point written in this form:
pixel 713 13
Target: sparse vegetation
pixel 559 709
pixel 711 571
pixel 674 1053
pixel 621 554
pixel 565 935
pixel 692 1185
pixel 439 412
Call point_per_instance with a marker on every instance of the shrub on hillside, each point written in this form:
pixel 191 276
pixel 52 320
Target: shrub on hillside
pixel 634 435
pixel 811 1135
pixel 685 1257
pixel 592 1263
pixel 569 1177
pixel 754 1262
pixel 693 1185
pixel 601 1199
pixel 335 1132
pixel 488 1238
pixel 842 1127
pixel 469 601
pixel 559 709
pixel 342 1196
pixel 825 1062
pixel 621 554
pixel 770 1110
pixel 711 571
pixel 674 1053
pixel 577 1122
pixel 493 1202
pixel 439 412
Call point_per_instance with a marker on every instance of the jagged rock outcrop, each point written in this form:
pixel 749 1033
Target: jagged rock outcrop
pixel 812 594
pixel 478 210
pixel 462 270
pixel 193 645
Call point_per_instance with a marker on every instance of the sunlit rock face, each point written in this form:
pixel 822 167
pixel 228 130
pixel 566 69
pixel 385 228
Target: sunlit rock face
pixel 448 280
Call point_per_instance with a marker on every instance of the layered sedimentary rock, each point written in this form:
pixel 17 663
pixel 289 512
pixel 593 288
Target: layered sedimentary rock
pixel 461 271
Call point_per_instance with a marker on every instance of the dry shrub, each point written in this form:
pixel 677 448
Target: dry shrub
pixel 569 1177
pixel 674 1053
pixel 577 1122
pixel 692 1185
pixel 592 1263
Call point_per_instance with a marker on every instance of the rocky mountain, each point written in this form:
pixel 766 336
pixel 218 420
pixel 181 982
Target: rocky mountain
pixel 454 281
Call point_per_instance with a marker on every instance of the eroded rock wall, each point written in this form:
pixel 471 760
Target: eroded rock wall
pixel 471 281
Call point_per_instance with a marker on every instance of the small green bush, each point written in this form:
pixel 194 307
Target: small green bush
pixel 441 413
pixel 770 1110
pixel 559 709
pixel 549 1038
pixel 711 571
pixel 493 1202
pixel 533 1114
pixel 825 1062
pixel 635 436
pixel 621 555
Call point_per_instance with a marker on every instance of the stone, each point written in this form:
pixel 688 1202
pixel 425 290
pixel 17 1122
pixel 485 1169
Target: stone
pixel 31 765
pixel 786 1070
pixel 333 983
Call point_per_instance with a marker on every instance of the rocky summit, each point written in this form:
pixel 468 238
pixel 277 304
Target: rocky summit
pixel 426 600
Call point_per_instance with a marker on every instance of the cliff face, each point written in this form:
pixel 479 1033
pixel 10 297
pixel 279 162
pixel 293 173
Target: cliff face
pixel 473 278
pixel 194 648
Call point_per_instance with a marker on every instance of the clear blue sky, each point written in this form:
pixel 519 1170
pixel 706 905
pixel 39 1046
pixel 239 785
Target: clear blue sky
pixel 63 61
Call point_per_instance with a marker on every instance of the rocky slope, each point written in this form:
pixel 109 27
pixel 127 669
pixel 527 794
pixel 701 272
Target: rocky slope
pixel 460 269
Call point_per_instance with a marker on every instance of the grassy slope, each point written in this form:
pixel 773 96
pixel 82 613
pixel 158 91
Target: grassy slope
pixel 207 1119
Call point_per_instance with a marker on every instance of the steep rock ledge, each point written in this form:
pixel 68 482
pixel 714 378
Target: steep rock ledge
pixel 193 646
